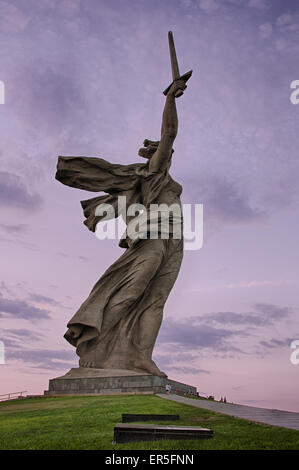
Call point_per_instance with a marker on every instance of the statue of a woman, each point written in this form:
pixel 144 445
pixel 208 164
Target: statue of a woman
pixel 117 325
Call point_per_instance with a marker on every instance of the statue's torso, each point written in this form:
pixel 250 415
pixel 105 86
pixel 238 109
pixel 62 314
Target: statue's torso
pixel 170 193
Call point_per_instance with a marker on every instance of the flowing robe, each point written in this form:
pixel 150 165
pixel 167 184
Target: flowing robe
pixel 119 321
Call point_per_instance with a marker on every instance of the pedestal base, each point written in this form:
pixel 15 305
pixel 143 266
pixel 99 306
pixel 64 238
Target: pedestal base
pixel 88 381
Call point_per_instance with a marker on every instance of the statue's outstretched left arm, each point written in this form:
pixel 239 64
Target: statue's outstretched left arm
pixel 169 130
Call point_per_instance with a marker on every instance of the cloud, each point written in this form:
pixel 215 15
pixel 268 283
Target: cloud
pixel 14 229
pixel 183 369
pixel 12 19
pixel 14 338
pixel 284 19
pixel 209 5
pixel 28 245
pixel 275 343
pixel 83 258
pixel 281 44
pixel 238 387
pixel 64 255
pixel 231 204
pixel 287 23
pixel 17 339
pixel 262 315
pixel 43 299
pixel 237 2
pixel 69 8
pixel 22 309
pixel 20 333
pixel 181 363
pixel 191 335
pixel 224 201
pixel 235 318
pixel 10 342
pixel 45 358
pixel 249 284
pixel 13 192
pixel 272 312
pixel 265 30
pixel 259 4
pixel 218 332
pixel 49 95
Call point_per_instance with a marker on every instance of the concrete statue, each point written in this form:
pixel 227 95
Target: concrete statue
pixel 117 325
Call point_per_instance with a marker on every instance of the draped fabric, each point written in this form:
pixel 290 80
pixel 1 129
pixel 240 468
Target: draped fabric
pixel 119 321
pixel 134 181
pixel 96 174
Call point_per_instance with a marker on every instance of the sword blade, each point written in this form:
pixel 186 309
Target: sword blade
pixel 173 58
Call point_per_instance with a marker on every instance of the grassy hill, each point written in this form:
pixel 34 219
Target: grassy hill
pixel 88 422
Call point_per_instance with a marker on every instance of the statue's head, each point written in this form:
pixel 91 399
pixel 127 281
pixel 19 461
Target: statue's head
pixel 150 147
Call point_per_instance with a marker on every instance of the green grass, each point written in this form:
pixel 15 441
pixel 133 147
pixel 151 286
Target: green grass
pixel 88 422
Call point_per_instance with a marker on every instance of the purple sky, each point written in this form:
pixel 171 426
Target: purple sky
pixel 86 78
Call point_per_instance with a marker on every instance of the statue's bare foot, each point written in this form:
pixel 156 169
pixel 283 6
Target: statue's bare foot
pixel 148 366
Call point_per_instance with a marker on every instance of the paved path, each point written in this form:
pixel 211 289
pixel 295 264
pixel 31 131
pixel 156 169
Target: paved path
pixel 284 419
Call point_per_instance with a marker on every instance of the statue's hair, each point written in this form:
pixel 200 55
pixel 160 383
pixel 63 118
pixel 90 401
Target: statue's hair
pixel 153 145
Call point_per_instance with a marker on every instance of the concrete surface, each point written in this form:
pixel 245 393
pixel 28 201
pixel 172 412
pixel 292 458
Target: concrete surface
pixel 284 419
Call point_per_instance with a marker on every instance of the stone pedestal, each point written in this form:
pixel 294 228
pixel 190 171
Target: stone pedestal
pixel 88 381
